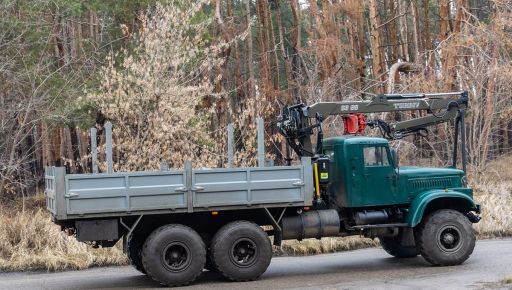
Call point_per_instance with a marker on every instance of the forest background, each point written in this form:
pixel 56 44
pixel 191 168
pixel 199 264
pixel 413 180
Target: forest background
pixel 170 75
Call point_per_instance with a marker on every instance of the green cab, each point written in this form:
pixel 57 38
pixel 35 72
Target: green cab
pixel 364 173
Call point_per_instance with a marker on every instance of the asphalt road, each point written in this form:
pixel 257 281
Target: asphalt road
pixel 490 263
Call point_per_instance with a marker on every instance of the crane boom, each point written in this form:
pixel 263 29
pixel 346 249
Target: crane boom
pixel 296 121
pixel 387 103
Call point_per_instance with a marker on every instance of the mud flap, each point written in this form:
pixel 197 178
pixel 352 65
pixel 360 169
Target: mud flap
pixel 407 237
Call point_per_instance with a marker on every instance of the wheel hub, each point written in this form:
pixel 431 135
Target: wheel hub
pixel 244 252
pixel 176 257
pixel 449 239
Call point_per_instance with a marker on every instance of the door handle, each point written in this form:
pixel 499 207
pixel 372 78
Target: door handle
pixel 197 188
pixel 181 189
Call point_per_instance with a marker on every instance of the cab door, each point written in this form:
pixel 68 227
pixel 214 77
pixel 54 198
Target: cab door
pixel 379 177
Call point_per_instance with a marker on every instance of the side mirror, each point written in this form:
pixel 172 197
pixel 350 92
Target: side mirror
pixel 394 156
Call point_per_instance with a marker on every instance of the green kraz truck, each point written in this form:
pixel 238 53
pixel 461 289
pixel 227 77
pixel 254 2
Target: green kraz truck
pixel 176 223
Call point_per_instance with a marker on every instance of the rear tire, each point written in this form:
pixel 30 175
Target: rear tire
pixel 241 251
pixel 174 255
pixel 445 238
pixel 393 246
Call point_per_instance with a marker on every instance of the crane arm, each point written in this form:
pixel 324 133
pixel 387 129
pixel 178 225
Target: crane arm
pixel 387 103
pixel 296 121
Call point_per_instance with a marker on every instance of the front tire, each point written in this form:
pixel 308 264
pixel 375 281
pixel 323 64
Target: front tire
pixel 241 251
pixel 174 255
pixel 445 238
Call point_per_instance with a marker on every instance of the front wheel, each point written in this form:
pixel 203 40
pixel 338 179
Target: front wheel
pixel 445 238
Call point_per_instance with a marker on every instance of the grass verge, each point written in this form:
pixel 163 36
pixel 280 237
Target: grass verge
pixel 325 245
pixel 495 200
pixel 30 241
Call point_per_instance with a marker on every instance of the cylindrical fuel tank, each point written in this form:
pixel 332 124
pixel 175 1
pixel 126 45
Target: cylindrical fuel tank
pixel 312 224
pixel 367 217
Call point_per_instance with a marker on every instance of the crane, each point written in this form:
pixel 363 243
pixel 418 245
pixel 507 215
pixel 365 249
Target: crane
pixel 297 123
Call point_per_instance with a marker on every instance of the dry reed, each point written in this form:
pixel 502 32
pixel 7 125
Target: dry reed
pixel 29 241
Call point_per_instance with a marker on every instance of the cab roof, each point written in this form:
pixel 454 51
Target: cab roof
pixel 346 140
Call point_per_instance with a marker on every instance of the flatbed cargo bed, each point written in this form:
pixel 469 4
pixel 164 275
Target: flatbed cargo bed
pixel 81 196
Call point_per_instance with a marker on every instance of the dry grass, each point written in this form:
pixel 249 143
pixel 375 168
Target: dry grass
pixel 493 190
pixel 496 203
pixel 507 280
pixel 30 241
pixel 325 245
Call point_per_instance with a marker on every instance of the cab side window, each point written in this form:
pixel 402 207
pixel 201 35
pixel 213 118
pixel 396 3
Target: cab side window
pixel 375 156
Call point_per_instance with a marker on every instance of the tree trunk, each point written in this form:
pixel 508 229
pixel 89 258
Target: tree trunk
pixel 375 43
pixel 490 91
pixel 415 30
pixel 320 41
pixel 428 40
pixel 275 66
pixel 404 31
pixel 444 21
pixel 236 57
pixel 360 43
pixel 284 55
pixel 91 26
pixel 392 31
pixel 59 47
pixel 296 49
pixel 451 54
pixel 250 62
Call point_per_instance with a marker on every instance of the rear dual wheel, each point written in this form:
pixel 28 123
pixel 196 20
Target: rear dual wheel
pixel 241 251
pixel 175 255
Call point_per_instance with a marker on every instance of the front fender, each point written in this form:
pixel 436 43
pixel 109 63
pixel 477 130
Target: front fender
pixel 421 201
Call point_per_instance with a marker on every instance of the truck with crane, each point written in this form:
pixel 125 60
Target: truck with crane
pixel 176 223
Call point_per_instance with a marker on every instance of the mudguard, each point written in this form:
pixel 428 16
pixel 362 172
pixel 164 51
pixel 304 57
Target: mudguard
pixel 421 201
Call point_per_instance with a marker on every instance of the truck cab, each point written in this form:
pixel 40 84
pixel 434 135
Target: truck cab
pixel 364 173
pixel 354 161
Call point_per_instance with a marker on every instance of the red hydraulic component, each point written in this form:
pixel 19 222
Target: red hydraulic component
pixel 354 123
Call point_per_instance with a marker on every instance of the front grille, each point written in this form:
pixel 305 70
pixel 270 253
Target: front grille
pixel 442 182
